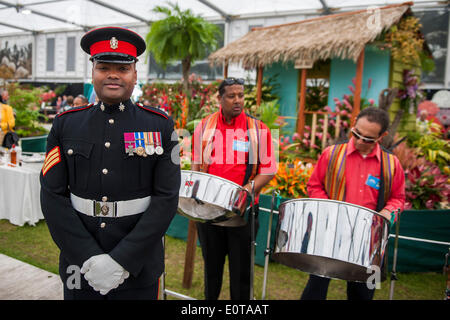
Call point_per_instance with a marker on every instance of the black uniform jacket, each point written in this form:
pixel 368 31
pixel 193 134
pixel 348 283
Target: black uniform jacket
pixel 95 139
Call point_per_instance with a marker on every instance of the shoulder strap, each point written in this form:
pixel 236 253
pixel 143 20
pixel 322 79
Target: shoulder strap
pixel 253 128
pixel 386 176
pixel 208 129
pixel 335 175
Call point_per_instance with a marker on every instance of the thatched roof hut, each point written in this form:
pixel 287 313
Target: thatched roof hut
pixel 341 35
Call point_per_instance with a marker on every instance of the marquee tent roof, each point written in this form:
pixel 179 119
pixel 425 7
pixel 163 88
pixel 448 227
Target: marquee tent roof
pixel 311 39
pixel 31 16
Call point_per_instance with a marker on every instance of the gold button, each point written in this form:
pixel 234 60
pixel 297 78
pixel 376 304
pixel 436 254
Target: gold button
pixel 105 171
pixel 111 121
pixel 107 144
pixel 104 198
pixel 70 152
pixel 102 225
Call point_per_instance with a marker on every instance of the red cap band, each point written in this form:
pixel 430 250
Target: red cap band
pixel 105 46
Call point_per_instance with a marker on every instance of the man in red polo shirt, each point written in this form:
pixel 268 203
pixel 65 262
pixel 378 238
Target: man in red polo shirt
pixel 237 147
pixel 359 172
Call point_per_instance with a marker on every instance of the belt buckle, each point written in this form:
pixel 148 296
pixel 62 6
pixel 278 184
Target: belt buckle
pixel 105 209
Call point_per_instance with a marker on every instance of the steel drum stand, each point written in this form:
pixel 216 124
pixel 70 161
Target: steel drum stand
pixel 163 292
pixel 253 242
pixel 394 263
pixel 447 272
pixel 268 249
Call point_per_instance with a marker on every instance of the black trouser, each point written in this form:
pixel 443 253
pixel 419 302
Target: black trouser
pixel 146 293
pixel 317 288
pixel 216 243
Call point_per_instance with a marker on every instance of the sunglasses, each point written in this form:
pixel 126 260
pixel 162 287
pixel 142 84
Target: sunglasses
pixel 364 139
pixel 231 81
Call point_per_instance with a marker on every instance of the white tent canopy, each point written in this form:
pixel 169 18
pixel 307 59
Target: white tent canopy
pixel 37 16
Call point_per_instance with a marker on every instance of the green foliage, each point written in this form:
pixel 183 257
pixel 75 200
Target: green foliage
pixel 170 97
pixel 26 106
pixel 426 187
pixel 269 113
pixel 181 35
pixel 316 95
pixel 269 86
pixel 431 146
pixel 426 62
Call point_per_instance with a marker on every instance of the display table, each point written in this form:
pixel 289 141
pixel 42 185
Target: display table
pixel 20 194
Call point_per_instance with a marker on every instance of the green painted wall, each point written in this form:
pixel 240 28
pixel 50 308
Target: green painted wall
pixel 287 77
pixel 376 67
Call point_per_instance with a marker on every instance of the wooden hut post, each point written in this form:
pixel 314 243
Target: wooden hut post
pixel 225 70
pixel 325 130
pixel 259 80
pixel 301 108
pixel 189 258
pixel 358 85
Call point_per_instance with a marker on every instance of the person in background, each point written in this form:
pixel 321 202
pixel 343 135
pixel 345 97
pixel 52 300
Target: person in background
pixel 235 146
pixel 372 178
pixel 80 101
pixel 7 119
pixel 68 104
pixel 58 105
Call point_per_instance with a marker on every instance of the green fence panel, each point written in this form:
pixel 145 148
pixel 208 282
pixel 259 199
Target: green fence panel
pixel 424 239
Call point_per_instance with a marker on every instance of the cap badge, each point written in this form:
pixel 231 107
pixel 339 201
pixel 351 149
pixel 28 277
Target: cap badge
pixel 114 43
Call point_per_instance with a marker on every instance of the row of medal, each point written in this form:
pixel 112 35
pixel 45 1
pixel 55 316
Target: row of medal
pixel 143 143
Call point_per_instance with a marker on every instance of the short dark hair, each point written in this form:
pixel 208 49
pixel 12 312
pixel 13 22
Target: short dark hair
pixel 229 82
pixel 377 115
pixel 69 100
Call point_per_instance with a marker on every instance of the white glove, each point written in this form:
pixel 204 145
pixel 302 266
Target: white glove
pixel 103 273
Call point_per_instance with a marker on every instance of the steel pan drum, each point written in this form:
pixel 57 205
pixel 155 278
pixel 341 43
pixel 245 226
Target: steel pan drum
pixel 208 198
pixel 331 238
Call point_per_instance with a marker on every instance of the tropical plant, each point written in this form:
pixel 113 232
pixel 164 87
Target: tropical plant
pixel 316 95
pixel 291 179
pixel 427 186
pixel 405 40
pixel 292 148
pixel 181 35
pixel 26 104
pixel 186 110
pixel 268 89
pixel 431 146
pixel 269 114
pixel 409 94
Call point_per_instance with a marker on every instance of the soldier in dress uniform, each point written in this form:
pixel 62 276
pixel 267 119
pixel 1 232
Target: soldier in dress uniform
pixel 110 180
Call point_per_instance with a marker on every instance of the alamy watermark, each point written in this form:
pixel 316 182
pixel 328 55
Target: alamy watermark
pixel 74 279
pixel 374 280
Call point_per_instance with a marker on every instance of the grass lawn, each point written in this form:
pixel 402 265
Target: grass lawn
pixel 35 246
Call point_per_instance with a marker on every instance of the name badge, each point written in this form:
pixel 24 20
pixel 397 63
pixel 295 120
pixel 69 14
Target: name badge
pixel 373 182
pixel 239 145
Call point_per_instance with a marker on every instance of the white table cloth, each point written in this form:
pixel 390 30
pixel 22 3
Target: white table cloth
pixel 20 194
